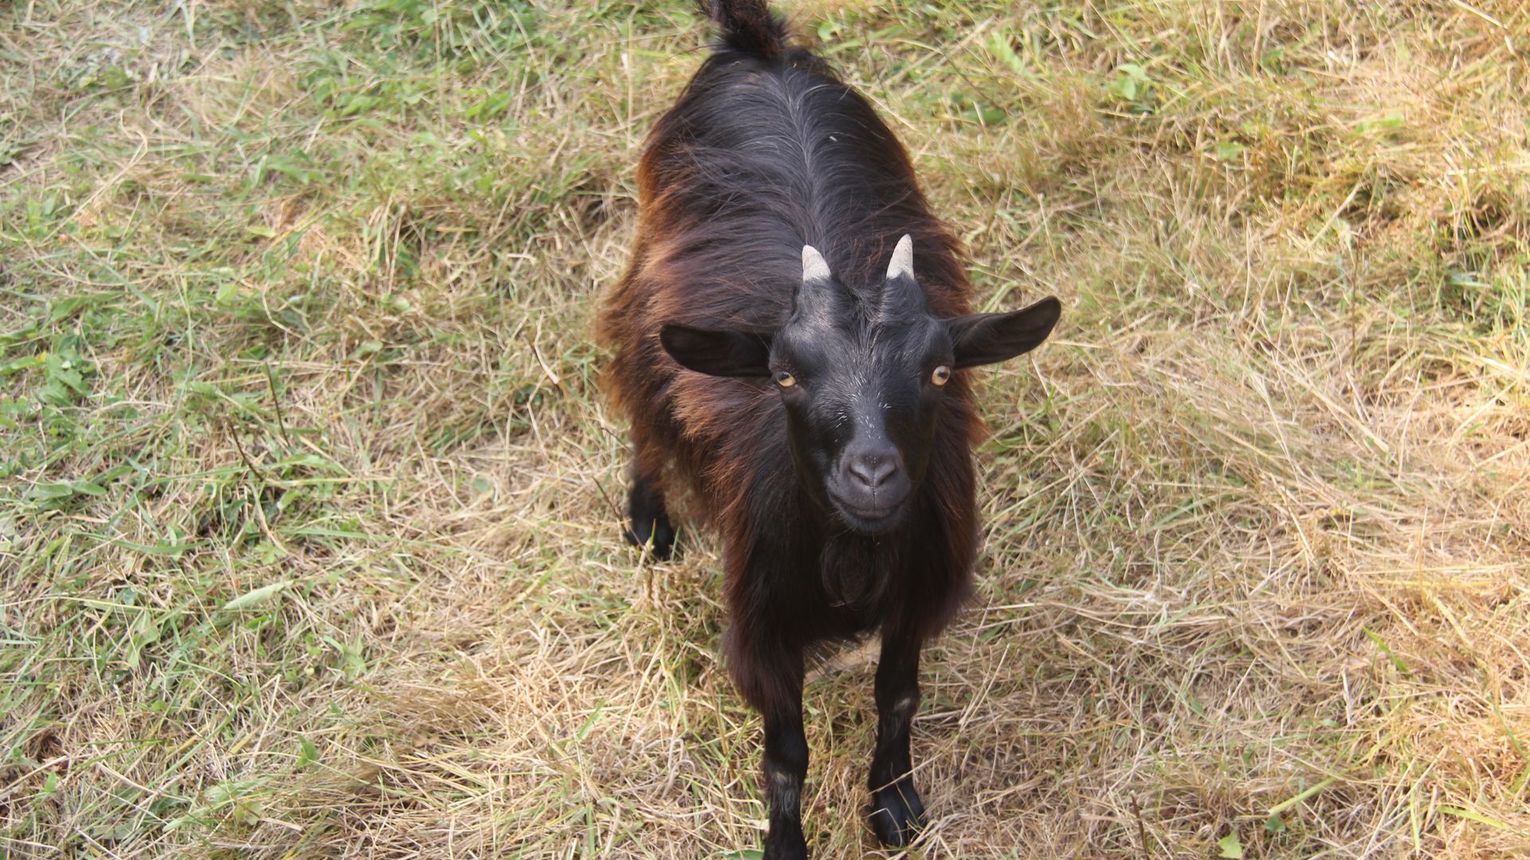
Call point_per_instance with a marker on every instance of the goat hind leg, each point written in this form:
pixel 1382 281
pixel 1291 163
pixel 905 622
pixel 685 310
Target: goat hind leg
pixel 649 525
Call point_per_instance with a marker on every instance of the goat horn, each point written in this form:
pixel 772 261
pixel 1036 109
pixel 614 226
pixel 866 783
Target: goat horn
pixel 902 259
pixel 814 266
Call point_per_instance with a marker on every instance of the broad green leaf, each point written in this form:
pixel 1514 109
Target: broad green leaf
pixel 258 596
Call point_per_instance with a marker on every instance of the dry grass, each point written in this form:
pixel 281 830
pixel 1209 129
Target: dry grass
pixel 307 543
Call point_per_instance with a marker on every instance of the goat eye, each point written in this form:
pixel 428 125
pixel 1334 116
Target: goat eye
pixel 784 379
pixel 941 375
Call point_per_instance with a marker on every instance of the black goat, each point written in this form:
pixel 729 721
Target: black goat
pixel 809 394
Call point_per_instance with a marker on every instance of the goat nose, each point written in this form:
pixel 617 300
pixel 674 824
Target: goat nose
pixel 872 470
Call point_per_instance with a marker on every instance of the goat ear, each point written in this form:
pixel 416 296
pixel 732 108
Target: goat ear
pixel 717 353
pixel 986 338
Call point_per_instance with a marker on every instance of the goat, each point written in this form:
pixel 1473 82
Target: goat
pixel 811 397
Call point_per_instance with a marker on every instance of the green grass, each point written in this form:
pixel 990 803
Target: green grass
pixel 308 534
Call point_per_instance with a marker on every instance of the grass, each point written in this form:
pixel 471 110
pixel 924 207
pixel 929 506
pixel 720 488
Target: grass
pixel 307 537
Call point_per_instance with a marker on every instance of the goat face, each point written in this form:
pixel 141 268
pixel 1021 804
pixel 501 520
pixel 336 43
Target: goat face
pixel 861 377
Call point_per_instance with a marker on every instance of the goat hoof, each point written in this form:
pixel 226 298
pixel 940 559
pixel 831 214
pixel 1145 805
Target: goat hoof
pixel 657 537
pixel 785 847
pixel 897 814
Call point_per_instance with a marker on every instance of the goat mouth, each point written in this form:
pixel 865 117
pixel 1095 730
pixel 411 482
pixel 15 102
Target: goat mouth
pixel 868 518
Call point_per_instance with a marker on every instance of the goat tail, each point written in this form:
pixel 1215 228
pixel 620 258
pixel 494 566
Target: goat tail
pixel 748 26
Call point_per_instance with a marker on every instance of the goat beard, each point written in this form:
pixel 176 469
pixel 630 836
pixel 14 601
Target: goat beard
pixel 854 570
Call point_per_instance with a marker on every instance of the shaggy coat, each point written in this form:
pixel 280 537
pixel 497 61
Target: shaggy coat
pixel 764 153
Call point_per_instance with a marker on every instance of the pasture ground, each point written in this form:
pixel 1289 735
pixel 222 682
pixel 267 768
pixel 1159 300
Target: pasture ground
pixel 308 534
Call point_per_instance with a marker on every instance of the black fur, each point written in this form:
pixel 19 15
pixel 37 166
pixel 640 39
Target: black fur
pixel 650 527
pixel 824 423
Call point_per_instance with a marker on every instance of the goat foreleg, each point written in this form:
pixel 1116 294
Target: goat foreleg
pixel 896 811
